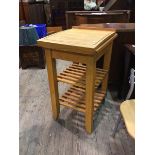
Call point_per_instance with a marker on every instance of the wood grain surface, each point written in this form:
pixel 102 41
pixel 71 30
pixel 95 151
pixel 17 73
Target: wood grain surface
pixel 127 109
pixel 76 40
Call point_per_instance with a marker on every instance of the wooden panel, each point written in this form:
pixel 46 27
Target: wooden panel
pixel 127 109
pixel 36 14
pixel 80 39
pixel 76 75
pixel 23 11
pixel 55 29
pixel 70 56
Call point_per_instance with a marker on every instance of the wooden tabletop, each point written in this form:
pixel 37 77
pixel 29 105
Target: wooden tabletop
pixel 127 109
pixel 118 27
pixel 77 40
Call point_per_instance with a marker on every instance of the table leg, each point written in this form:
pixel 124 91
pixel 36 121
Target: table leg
pixel 106 66
pixel 53 85
pixel 90 86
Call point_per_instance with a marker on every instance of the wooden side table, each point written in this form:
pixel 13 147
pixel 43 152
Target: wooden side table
pixel 84 47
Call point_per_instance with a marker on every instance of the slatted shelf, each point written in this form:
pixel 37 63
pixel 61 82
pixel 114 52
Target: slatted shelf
pixel 75 98
pixel 76 75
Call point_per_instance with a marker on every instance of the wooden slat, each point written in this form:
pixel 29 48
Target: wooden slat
pixel 84 67
pixel 78 88
pixel 71 106
pixel 75 98
pixel 65 80
pixel 98 77
pixel 65 76
pixel 71 74
pixel 75 103
pixel 80 84
pixel 74 72
pixel 82 70
pixel 73 94
pixel 70 82
pixel 74 107
pixel 76 75
pixel 76 69
pixel 78 93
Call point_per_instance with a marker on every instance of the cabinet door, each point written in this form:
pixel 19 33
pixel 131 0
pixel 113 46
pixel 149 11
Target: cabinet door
pixel 58 8
pixel 36 14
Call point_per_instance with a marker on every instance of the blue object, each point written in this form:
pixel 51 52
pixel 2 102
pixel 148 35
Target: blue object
pixel 40 28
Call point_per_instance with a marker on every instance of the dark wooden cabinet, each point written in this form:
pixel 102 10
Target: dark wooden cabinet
pixel 31 56
pixel 36 14
pixel 59 7
pixel 23 11
pixel 32 13
pixel 74 18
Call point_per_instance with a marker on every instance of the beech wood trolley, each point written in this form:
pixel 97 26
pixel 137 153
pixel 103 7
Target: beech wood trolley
pixel 84 47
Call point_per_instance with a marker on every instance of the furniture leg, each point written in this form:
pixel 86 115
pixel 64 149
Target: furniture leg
pixel 90 84
pixel 106 66
pixel 52 77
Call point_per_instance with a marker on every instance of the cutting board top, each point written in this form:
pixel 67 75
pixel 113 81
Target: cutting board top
pixel 76 39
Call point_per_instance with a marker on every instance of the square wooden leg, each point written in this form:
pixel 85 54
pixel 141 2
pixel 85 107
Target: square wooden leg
pixel 53 85
pixel 106 66
pixel 90 86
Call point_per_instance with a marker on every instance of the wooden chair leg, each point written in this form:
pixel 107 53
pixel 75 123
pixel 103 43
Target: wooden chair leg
pixel 90 82
pixel 52 77
pixel 106 66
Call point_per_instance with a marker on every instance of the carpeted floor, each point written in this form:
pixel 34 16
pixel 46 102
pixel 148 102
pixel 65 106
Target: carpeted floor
pixel 41 135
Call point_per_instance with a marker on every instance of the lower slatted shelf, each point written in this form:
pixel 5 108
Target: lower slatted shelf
pixel 76 75
pixel 75 98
